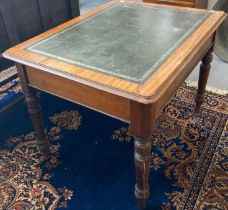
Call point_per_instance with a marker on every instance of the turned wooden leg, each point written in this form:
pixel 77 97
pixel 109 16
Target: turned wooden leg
pixel 203 77
pixel 142 166
pixel 34 110
pixel 141 127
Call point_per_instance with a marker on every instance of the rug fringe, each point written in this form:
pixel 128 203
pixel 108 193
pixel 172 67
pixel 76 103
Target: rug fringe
pixel 190 83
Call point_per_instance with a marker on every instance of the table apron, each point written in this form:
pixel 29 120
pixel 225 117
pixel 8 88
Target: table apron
pixel 101 101
pixel 171 2
pixel 170 88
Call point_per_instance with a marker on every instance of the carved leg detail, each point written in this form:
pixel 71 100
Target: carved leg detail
pixel 203 77
pixel 142 165
pixel 34 110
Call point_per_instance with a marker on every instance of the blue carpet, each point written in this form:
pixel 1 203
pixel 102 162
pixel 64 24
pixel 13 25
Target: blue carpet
pixel 91 164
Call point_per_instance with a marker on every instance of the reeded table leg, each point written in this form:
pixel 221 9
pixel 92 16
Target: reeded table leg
pixel 34 110
pixel 203 77
pixel 142 122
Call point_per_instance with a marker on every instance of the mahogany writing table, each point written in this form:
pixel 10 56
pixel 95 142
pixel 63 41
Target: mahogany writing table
pixel 124 59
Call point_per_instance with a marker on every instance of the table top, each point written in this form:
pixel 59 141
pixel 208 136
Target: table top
pixel 126 41
pixel 121 46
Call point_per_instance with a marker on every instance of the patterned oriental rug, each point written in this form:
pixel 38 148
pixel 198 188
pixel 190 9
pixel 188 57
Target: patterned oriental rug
pixel 91 163
pixel 10 91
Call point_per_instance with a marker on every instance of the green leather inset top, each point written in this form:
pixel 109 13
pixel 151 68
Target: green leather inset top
pixel 126 41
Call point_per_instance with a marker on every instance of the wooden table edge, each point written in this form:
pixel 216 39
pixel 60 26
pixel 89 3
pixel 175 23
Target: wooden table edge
pixel 136 95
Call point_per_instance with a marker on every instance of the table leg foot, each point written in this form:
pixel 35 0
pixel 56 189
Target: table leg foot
pixel 142 204
pixel 142 165
pixel 203 77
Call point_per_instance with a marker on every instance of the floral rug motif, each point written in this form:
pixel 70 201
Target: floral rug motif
pixel 90 152
pixel 213 194
pixel 10 93
pixel 23 183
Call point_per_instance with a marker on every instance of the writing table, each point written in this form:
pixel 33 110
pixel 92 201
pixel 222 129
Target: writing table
pixel 125 59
